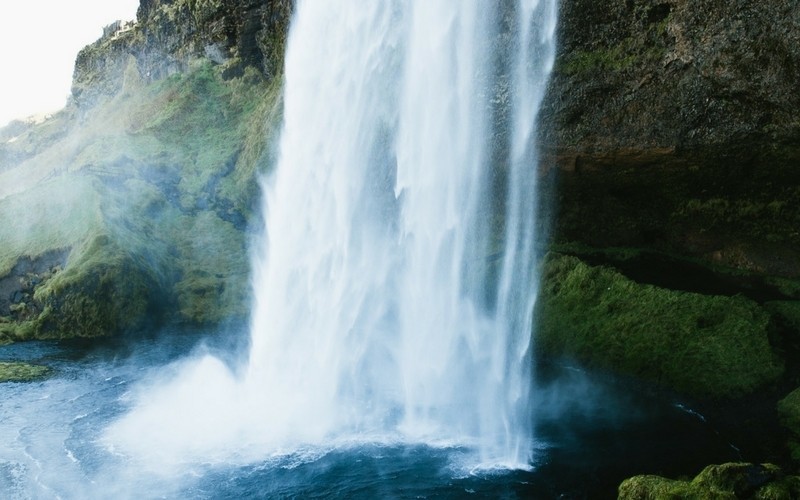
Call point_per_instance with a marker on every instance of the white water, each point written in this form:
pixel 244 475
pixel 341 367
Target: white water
pixel 379 314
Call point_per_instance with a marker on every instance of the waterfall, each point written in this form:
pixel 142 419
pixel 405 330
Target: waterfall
pixel 371 310
pixel 394 283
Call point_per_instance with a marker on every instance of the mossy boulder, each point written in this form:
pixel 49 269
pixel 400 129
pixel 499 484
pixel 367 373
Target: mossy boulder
pixel 720 482
pixel 788 313
pixel 700 345
pixel 789 413
pixel 21 372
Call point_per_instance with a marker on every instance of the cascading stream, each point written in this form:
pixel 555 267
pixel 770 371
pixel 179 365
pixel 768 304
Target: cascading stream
pixel 370 297
pixel 394 284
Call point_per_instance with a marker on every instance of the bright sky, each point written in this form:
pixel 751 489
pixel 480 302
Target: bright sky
pixel 39 40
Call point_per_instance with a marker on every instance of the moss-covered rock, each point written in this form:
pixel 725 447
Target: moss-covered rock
pixel 788 311
pixel 789 413
pixel 721 482
pixel 701 345
pixel 21 372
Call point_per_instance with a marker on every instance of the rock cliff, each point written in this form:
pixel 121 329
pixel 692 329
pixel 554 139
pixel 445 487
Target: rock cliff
pixel 169 34
pixel 131 206
pixel 673 124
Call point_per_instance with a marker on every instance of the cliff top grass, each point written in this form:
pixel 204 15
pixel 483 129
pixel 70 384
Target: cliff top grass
pixel 709 346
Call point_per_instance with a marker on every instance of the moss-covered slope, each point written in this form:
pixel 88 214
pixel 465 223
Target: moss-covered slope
pixel 135 211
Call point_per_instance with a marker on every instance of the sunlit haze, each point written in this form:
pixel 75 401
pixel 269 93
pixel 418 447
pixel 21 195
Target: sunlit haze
pixel 39 40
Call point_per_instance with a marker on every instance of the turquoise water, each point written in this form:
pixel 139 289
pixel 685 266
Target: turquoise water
pixel 590 435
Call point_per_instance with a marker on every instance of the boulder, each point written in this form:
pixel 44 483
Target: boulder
pixel 727 481
pixel 701 345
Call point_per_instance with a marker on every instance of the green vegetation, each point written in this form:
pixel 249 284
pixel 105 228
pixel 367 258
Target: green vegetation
pixel 608 59
pixel 775 219
pixel 788 312
pixel 700 345
pixel 789 412
pixel 57 214
pixel 148 194
pixel 720 482
pixel 21 372
pixel 624 56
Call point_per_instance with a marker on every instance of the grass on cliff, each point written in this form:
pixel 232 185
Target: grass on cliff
pixel 151 192
pixel 58 214
pixel 700 345
pixel 215 128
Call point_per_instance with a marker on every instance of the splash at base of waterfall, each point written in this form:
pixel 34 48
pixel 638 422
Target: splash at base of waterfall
pixel 394 284
pixel 51 448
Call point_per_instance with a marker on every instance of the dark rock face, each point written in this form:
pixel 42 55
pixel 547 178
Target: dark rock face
pixel 648 74
pixel 18 286
pixel 674 126
pixel 169 34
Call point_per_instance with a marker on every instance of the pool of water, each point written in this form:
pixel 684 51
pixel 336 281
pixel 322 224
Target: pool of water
pixel 591 433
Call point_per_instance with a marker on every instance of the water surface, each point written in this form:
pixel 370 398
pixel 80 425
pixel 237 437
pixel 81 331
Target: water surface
pixel 589 436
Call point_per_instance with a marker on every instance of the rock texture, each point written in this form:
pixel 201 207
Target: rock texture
pixel 674 127
pixel 677 75
pixel 169 34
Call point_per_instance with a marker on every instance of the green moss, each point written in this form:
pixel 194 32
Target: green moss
pixel 654 488
pixel 606 59
pixel 701 345
pixel 789 413
pixel 151 190
pixel 611 254
pixel 786 286
pixel 788 311
pixel 771 219
pixel 21 372
pixel 103 290
pixel 721 482
pixel 212 257
pixel 17 331
pixel 57 214
pixel 215 129
pixel 259 132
